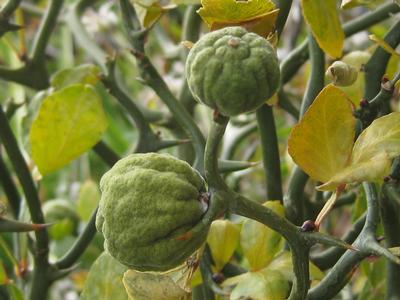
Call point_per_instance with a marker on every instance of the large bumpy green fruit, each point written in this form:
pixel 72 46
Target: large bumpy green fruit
pixel 149 205
pixel 62 213
pixel 232 71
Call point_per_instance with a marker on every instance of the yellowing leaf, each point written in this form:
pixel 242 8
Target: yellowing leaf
pixel 259 243
pixel 372 153
pixel 88 198
pixel 283 264
pixel 382 136
pixel 222 238
pixel 257 16
pixel 323 19
pixel 371 170
pixel 83 74
pixel 149 11
pixel 383 44
pixel 347 4
pixel 154 285
pixel 321 142
pixel 104 281
pixel 69 122
pixel 265 284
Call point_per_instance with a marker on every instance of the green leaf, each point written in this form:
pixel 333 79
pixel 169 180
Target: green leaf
pixel 69 123
pixel 259 243
pixel 149 11
pixel 265 284
pixel 14 292
pixel 104 281
pixel 323 19
pixel 83 74
pixel 223 239
pixel 88 198
pixel 257 16
pixel 155 286
pixel 321 142
pixel 3 274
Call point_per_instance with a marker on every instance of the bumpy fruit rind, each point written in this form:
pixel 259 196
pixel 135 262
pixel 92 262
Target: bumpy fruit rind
pixel 232 71
pixel 149 204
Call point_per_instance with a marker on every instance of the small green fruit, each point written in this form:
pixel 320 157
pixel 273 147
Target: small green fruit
pixel 149 204
pixel 62 213
pixel 341 73
pixel 232 71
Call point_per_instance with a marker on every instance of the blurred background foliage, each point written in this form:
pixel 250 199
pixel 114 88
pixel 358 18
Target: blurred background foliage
pixel 75 186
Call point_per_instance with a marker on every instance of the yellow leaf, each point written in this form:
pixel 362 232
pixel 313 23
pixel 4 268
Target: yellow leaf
pixel 372 153
pixel 149 11
pixel 323 19
pixel 153 286
pixel 259 243
pixel 382 136
pixel 371 170
pixel 383 44
pixel 265 284
pixel 347 4
pixel 70 122
pixel 321 143
pixel 223 238
pixel 257 16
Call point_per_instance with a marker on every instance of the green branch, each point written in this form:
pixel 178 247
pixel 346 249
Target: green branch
pixel 9 188
pixel 40 282
pixel 293 201
pixel 270 152
pixel 34 73
pixel 153 79
pixel 79 246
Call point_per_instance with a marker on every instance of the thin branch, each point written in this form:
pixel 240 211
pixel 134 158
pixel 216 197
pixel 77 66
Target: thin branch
pixel 79 246
pixel 270 152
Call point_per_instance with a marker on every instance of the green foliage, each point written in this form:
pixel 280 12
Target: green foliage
pixel 195 204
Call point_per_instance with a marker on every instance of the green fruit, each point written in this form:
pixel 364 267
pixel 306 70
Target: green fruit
pixel 232 71
pixel 149 205
pixel 341 73
pixel 62 213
